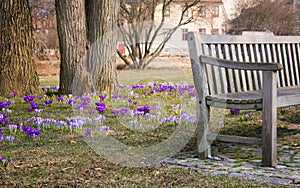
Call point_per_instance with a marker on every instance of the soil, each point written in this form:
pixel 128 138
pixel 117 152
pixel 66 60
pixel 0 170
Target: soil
pixel 52 68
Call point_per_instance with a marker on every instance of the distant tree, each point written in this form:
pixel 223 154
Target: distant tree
pixel 140 27
pixel 87 44
pixel 255 15
pixel 43 11
pixel 17 68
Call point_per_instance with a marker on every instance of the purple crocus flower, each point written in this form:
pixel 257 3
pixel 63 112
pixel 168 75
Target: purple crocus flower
pixel 70 102
pixel 102 97
pixel 34 105
pixel 28 97
pixel 10 138
pixel 103 128
pixel 14 93
pixel 1 158
pixel 91 112
pixel 100 106
pixel 48 101
pixel 59 98
pixel 140 108
pixel 249 115
pixel 100 109
pixel 115 112
pixel 1 129
pixel 147 109
pixel 26 128
pixel 1 137
pixel 55 88
pixel 123 110
pixel 234 111
pixel 114 96
pixel 88 131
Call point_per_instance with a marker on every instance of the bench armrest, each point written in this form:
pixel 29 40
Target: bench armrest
pixel 240 65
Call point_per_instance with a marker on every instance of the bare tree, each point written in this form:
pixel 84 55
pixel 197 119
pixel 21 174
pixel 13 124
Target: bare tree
pixel 254 15
pixel 140 26
pixel 17 68
pixel 44 22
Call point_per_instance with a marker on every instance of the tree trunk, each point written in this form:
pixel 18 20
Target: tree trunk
pixel 87 45
pixel 72 40
pixel 102 19
pixel 17 67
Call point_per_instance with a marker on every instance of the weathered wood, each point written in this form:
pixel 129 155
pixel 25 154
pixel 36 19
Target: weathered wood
pixel 240 65
pixel 243 72
pixel 234 139
pixel 269 133
pixel 200 82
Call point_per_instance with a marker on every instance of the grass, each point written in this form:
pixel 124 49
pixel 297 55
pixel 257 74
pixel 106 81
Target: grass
pixel 60 158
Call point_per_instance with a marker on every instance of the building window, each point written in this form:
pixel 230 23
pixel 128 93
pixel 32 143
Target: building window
pixel 167 12
pixel 215 12
pixel 202 31
pixel 223 32
pixel 215 31
pixel 186 13
pixel 202 11
pixel 184 34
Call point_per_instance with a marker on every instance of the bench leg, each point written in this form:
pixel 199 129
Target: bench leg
pixel 204 150
pixel 269 134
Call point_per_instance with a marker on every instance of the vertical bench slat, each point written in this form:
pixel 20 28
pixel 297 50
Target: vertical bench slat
pixel 254 52
pixel 222 71
pixel 230 84
pixel 285 66
pixel 209 73
pixel 297 64
pixel 275 58
pixel 242 72
pixel 237 81
pixel 279 56
pixel 290 65
pixel 249 74
pixel 215 72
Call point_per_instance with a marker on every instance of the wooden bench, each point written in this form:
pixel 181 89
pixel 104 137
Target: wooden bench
pixel 247 72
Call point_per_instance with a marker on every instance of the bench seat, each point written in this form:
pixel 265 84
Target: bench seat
pixel 286 96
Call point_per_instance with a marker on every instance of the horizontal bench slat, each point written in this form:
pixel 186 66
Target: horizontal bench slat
pixel 234 139
pixel 286 96
pixel 240 65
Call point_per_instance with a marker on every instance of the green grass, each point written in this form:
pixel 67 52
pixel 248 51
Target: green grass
pixel 60 158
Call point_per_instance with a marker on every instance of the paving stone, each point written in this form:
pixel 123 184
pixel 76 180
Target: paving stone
pixel 236 175
pixel 280 166
pixel 220 173
pixel 287 172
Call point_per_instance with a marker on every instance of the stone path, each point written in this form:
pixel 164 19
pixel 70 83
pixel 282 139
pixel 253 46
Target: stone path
pixel 243 161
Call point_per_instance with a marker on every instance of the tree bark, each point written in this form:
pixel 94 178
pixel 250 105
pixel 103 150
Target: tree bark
pixel 72 40
pixel 102 19
pixel 17 67
pixel 87 51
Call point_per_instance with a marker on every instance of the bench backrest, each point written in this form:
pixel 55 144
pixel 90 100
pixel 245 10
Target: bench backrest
pixel 256 47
